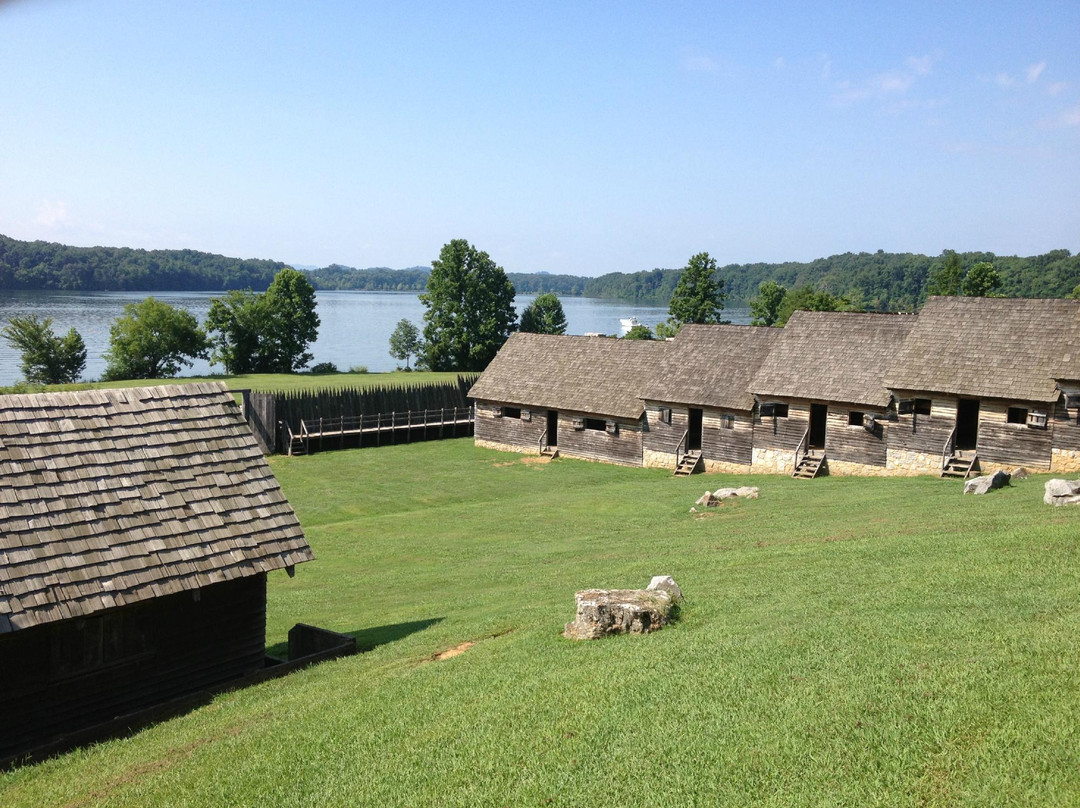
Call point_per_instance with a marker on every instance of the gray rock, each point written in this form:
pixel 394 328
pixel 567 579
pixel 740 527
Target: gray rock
pixel 980 485
pixel 1062 492
pixel 601 612
pixel 706 499
pixel 1020 473
pixel 725 493
pixel 665 583
pixel 747 491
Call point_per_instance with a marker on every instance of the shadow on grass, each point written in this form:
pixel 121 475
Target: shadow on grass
pixel 368 639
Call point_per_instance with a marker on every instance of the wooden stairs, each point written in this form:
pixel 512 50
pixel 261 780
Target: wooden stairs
pixel 688 463
pixel 550 452
pixel 961 464
pixel 810 466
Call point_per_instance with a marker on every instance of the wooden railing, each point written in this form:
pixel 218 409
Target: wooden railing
pixel 949 449
pixel 542 443
pixel 375 424
pixel 680 450
pixel 802 449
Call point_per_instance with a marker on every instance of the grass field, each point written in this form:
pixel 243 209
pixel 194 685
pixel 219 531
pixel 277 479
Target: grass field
pixel 270 382
pixel 843 642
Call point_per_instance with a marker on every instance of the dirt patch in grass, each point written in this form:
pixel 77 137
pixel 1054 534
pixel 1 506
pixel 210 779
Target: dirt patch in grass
pixel 140 770
pixel 450 653
pixel 527 460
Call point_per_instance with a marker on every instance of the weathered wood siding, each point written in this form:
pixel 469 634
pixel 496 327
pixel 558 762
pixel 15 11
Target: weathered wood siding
pixel 62 677
pixel 510 431
pixel 734 445
pixel 782 433
pixel 1008 444
pixel 625 448
pixel 1066 428
pixel 660 436
pixel 926 434
pixel 855 444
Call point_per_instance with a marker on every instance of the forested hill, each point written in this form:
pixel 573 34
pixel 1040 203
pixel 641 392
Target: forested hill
pixel 877 281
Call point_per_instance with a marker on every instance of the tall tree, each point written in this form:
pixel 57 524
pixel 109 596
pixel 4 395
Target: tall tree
pixel 470 309
pixel 544 315
pixel 699 295
pixel 46 358
pixel 642 332
pixel 765 308
pixel 153 340
pixel 405 341
pixel 268 332
pixel 948 279
pixel 982 280
pixel 806 298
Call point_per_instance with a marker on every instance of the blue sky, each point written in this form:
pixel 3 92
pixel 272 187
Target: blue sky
pixel 571 137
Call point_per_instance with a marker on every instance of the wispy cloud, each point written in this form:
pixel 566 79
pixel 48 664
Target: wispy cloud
pixel 1057 88
pixel 881 86
pixel 1031 73
pixel 695 62
pixel 52 214
pixel 1034 71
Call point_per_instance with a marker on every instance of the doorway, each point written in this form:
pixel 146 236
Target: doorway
pixel 693 434
pixel 553 427
pixel 819 414
pixel 967 423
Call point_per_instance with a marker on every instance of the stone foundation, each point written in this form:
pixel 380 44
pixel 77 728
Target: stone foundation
pixel 652 459
pixel 1064 461
pixel 908 463
pixel 771 461
pixel 505 447
pixel 724 467
pixel 842 468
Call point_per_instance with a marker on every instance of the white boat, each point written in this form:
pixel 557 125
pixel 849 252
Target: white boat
pixel 628 322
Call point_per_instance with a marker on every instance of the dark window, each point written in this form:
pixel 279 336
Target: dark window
pixel 596 423
pixel 727 421
pixel 664 413
pixel 1072 402
pixel 922 406
pixel 905 406
pixel 780 410
pixel 511 412
pixel 1017 415
pixel 855 418
pixel 774 409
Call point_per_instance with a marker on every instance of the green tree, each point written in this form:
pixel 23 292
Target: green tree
pixel 806 298
pixel 765 308
pixel 405 341
pixel 46 358
pixel 947 279
pixel 544 315
pixel 699 296
pixel 639 332
pixel 982 280
pixel 667 329
pixel 268 332
pixel 470 309
pixel 153 340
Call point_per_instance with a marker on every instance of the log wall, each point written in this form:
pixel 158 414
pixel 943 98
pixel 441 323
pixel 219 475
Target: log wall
pixel 509 432
pixel 855 444
pixel 66 676
pixel 624 448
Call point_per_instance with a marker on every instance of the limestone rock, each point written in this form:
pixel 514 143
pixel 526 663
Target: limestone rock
pixel 706 499
pixel 980 485
pixel 693 510
pixel 725 493
pixel 1062 492
pixel 747 491
pixel 665 583
pixel 601 612
pixel 1020 473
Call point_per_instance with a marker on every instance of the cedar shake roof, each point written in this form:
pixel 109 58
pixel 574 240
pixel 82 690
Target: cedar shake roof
pixel 991 347
pixel 834 356
pixel 109 497
pixel 712 366
pixel 597 375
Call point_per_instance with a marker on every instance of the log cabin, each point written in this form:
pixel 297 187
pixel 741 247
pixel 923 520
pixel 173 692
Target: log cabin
pixel 137 529
pixel 698 407
pixel 984 383
pixel 567 395
pixel 822 402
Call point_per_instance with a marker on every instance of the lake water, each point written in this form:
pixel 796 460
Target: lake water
pixel 355 329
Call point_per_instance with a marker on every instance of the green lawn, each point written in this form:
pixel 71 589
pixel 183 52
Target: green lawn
pixel 843 642
pixel 270 382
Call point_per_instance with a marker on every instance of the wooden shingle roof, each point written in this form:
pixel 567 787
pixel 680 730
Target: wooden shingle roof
pixel 581 374
pixel 109 497
pixel 711 366
pixel 834 356
pixel 991 347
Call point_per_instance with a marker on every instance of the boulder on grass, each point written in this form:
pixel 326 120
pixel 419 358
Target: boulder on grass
pixel 1062 492
pixel 601 612
pixel 667 584
pixel 707 500
pixel 980 485
pixel 747 491
pixel 725 493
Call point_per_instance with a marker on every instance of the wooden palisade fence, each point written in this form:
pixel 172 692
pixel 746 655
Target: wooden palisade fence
pixel 313 420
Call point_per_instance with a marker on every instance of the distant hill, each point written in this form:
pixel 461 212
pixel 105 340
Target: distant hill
pixel 878 281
